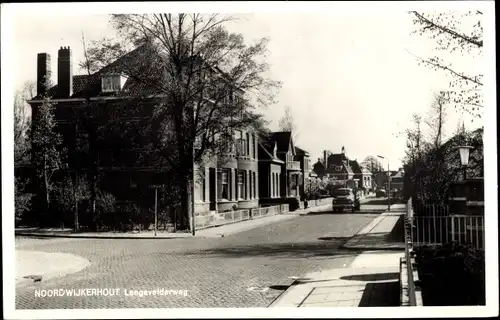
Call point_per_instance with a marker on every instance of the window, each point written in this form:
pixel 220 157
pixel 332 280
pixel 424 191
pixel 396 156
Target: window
pixel 273 185
pixel 254 186
pixel 203 185
pixel 254 144
pixel 223 191
pixel 241 185
pixel 251 189
pixel 248 144
pixel 113 83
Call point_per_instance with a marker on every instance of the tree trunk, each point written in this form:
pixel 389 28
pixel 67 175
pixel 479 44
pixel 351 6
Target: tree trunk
pixel 186 199
pixel 75 196
pixel 46 183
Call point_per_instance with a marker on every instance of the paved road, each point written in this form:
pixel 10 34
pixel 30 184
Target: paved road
pixel 215 272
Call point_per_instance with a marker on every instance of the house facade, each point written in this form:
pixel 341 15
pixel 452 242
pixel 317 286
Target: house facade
pixel 223 183
pixel 230 181
pixel 305 167
pixel 284 168
pixel 339 168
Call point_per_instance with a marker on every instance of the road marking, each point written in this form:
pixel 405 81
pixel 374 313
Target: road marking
pixel 258 289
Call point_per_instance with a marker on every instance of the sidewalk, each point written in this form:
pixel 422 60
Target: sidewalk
pixel 370 281
pixel 211 232
pixel 42 266
pixel 385 232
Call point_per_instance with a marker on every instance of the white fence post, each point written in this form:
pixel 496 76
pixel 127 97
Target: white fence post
pixel 452 228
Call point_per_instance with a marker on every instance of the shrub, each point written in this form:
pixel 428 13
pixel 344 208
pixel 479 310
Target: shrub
pixel 451 274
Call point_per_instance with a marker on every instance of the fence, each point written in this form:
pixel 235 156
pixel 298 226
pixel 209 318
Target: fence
pixel 222 218
pixel 265 211
pixel 430 230
pixel 434 224
pixel 319 202
pixel 421 209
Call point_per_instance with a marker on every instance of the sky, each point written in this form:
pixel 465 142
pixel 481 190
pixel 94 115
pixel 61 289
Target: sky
pixel 347 76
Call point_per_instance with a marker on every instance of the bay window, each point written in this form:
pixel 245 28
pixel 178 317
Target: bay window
pixel 241 185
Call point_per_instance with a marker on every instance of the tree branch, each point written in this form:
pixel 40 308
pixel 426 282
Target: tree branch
pixel 432 24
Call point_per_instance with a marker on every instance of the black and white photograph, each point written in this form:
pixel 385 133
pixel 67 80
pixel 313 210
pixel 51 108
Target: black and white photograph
pixel 249 159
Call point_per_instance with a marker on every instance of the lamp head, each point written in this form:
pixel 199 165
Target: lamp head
pixel 464 154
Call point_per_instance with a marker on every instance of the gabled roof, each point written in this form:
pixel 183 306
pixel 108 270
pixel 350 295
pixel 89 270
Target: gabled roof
pixel 348 169
pixel 137 61
pixel 365 171
pixel 336 158
pixel 355 167
pixel 282 138
pixel 267 154
pixel 300 151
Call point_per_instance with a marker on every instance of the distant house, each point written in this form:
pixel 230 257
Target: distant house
pixel 270 171
pixel 305 167
pixel 362 176
pixel 396 179
pixel 339 168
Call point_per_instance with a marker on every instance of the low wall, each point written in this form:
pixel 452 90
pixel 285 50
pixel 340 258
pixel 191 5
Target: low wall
pixel 222 218
pixel 410 293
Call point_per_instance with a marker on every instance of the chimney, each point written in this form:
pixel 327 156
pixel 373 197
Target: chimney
pixel 43 73
pixel 64 73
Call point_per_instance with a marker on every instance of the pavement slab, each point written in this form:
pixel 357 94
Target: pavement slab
pixel 43 266
pixel 370 280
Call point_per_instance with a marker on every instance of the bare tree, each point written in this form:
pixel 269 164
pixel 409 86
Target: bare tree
pixel 372 164
pixel 203 80
pixel 287 123
pixel 45 142
pixel 437 119
pixel 456 34
pixel 22 121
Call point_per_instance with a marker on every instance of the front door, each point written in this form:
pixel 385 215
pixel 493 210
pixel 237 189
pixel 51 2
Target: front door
pixel 212 192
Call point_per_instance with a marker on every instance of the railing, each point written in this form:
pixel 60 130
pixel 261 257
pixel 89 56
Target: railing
pixel 293 165
pixel 222 218
pixel 421 209
pixel 414 295
pixel 265 211
pixel 464 229
pixel 434 224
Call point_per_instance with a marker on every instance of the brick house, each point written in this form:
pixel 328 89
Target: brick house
pixel 338 167
pixel 290 180
pixel 231 181
pixel 222 183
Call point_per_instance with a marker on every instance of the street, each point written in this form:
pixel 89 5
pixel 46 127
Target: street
pixel 216 272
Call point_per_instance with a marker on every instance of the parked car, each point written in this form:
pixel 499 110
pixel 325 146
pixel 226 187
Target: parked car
pixel 345 198
pixel 381 193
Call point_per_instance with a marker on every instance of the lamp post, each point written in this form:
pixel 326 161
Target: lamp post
pixel 464 158
pixel 388 183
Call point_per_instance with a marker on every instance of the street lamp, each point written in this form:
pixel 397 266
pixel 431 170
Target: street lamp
pixel 464 158
pixel 388 183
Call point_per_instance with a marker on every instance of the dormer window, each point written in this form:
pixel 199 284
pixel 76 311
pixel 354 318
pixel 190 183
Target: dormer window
pixel 113 82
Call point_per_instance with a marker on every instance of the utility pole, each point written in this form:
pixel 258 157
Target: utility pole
pixel 156 210
pixel 388 183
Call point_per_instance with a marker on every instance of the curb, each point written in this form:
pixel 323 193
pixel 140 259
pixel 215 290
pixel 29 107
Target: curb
pixel 136 236
pixel 77 264
pixel 352 243
pixel 80 236
pixel 398 247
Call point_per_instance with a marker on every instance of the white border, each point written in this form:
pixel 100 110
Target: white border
pixel 9 11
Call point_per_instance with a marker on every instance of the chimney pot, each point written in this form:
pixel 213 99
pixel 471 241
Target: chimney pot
pixel 64 73
pixel 43 73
